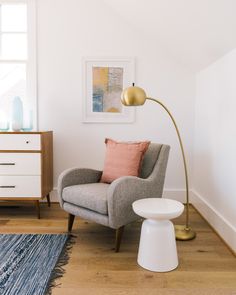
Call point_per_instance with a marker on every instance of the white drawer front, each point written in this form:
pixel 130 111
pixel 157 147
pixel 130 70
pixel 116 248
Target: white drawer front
pixel 20 142
pixel 20 164
pixel 20 186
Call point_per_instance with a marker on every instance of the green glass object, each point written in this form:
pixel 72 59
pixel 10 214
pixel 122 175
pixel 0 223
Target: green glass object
pixel 17 114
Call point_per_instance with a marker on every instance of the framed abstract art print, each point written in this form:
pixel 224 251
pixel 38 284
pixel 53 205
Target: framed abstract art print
pixel 104 80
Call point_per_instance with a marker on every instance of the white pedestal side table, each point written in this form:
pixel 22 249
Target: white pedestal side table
pixel 157 246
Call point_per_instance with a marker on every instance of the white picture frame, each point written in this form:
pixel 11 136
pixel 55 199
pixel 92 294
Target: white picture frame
pixel 104 78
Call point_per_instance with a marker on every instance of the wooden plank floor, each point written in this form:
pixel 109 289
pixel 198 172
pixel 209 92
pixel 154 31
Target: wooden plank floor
pixel 206 266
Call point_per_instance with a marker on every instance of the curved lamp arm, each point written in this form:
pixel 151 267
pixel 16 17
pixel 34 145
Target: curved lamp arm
pixel 183 155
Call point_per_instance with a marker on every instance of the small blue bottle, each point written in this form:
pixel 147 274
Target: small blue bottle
pixel 17 114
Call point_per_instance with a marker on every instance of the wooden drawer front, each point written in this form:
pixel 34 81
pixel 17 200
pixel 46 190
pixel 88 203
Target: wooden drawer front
pixel 20 142
pixel 20 186
pixel 20 164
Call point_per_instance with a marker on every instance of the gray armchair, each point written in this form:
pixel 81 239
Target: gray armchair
pixel 81 194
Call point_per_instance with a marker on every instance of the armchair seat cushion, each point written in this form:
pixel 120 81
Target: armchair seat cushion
pixel 92 196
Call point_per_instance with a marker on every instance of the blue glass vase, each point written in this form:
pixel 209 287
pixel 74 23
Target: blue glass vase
pixel 4 121
pixel 17 114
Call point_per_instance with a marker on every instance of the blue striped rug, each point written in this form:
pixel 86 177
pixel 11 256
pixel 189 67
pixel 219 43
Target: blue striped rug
pixel 30 262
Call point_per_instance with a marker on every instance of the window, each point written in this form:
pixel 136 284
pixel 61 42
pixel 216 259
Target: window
pixel 17 61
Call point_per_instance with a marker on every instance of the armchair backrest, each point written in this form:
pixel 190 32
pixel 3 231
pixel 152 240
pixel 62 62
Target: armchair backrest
pixel 151 157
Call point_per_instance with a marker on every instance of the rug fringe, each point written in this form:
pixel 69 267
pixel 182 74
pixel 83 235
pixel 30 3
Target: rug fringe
pixel 59 270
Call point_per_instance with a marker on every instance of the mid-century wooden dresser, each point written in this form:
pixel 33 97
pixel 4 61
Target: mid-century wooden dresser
pixel 26 166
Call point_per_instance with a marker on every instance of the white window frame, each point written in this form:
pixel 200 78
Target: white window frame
pixel 31 61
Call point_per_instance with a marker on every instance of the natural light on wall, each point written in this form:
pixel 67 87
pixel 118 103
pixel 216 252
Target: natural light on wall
pixel 17 72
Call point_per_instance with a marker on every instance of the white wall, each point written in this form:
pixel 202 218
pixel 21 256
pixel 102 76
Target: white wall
pixel 71 30
pixel 215 146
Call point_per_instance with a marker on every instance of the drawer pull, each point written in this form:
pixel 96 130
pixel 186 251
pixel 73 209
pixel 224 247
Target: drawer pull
pixel 7 186
pixel 7 164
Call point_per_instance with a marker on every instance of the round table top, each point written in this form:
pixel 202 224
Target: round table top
pixel 158 208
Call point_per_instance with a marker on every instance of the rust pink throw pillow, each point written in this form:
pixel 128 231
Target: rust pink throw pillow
pixel 123 159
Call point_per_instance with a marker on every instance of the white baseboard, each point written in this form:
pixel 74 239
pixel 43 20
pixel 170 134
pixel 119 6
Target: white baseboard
pixel 222 226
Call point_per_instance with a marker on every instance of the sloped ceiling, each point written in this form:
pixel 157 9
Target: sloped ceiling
pixel 195 32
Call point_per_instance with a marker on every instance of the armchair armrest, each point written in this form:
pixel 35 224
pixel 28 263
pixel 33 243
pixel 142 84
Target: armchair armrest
pixel 125 190
pixel 122 193
pixel 75 176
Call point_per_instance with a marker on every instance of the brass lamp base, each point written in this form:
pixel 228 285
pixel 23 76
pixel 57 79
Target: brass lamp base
pixel 183 233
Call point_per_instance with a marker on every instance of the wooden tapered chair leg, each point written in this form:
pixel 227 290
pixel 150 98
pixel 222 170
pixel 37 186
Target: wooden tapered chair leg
pixel 119 234
pixel 70 221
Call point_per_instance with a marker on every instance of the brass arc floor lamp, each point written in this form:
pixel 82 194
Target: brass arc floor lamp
pixel 136 96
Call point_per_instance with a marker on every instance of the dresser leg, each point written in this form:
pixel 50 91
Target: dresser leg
pixel 37 208
pixel 48 200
